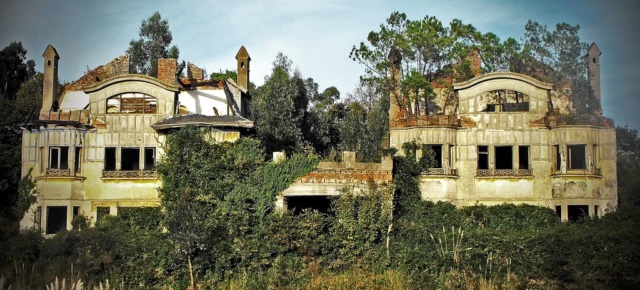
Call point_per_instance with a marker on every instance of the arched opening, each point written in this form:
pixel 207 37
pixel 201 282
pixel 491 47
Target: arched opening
pixel 132 103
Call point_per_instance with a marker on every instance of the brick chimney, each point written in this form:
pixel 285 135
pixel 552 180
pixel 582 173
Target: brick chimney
pixel 50 84
pixel 167 70
pixel 243 59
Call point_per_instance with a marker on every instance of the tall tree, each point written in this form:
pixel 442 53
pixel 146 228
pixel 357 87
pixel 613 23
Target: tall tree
pixel 279 107
pixel 155 39
pixel 14 69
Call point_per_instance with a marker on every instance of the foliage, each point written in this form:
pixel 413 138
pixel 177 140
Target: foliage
pixel 227 74
pixel 155 39
pixel 15 69
pixel 362 226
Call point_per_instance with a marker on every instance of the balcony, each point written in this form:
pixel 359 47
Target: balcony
pixel 130 174
pixel 504 173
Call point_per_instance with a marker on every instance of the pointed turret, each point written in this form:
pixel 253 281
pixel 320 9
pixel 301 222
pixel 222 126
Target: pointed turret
pixel 50 84
pixel 593 58
pixel 243 59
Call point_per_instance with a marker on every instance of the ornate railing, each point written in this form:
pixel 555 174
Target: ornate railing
pixel 129 174
pixel 504 172
pixel 58 172
pixel 591 171
pixel 441 171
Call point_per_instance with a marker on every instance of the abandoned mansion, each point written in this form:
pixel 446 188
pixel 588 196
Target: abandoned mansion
pixel 496 138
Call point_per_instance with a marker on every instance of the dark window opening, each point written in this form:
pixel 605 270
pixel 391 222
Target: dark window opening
pixel 596 210
pixel 578 212
pixel 76 211
pixel 149 158
pixel 437 154
pixel 483 157
pixel 577 156
pixel 102 211
pixel 110 158
pixel 298 204
pixel 130 159
pixel 593 60
pixel 59 158
pixel 523 157
pixel 49 62
pixel 504 157
pixel 56 219
pixel 559 211
pixel 558 157
pixel 77 159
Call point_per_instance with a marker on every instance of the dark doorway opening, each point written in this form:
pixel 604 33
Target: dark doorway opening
pixel 297 204
pixel 577 212
pixel 504 157
pixel 56 219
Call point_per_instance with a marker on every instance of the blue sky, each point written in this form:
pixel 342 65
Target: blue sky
pixel 316 35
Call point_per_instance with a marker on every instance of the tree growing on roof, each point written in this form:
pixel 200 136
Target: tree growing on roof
pixel 155 39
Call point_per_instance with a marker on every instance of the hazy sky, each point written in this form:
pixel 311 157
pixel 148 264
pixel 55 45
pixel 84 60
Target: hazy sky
pixel 316 35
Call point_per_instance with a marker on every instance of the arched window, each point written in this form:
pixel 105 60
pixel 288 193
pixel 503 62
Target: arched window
pixel 132 103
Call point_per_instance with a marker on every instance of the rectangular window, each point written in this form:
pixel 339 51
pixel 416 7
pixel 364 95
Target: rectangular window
pixel 130 159
pixel 595 156
pixel 437 154
pixel 76 211
pixel 559 211
pixel 504 157
pixel 523 157
pixel 59 158
pixel 110 158
pixel 577 212
pixel 577 156
pixel 149 158
pixel 77 159
pixel 483 157
pixel 558 157
pixel 56 219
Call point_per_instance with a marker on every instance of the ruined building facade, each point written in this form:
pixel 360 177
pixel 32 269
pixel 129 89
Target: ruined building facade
pixel 509 138
pixel 94 149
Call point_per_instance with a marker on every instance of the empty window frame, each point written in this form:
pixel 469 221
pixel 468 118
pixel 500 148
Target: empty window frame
pixel 577 156
pixel 557 157
pixel 76 211
pixel 130 159
pixel 523 157
pixel 59 158
pixel 110 158
pixel 132 103
pixel 577 212
pixel 437 154
pixel 56 219
pixel 77 163
pixel 504 157
pixel 149 158
pixel 483 157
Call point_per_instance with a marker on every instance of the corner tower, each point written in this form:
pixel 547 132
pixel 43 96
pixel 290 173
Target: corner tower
pixel 243 59
pixel 593 58
pixel 50 84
